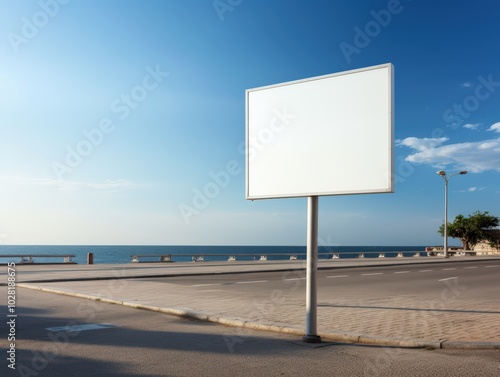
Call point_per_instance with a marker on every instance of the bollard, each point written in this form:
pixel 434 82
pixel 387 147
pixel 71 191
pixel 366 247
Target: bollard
pixel 166 258
pixel 90 258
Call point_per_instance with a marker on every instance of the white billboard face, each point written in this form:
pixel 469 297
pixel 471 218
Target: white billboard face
pixel 327 135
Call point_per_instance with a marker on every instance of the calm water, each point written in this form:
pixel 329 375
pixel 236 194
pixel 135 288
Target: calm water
pixel 122 254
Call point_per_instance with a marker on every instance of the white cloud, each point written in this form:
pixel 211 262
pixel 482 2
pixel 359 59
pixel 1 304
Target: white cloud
pixel 107 185
pixel 471 126
pixel 421 144
pixel 488 144
pixel 495 127
pixel 110 184
pixel 473 156
pixel 467 84
pixel 472 189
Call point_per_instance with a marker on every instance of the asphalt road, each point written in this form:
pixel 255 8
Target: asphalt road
pixel 143 343
pixel 478 279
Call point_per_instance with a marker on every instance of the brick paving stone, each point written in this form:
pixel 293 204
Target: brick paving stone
pixel 387 317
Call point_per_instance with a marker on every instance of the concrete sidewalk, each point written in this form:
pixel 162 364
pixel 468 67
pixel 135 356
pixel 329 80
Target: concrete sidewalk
pixel 471 323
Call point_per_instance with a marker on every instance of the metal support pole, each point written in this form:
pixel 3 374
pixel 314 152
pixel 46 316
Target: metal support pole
pixel 312 264
pixel 442 173
pixel 445 246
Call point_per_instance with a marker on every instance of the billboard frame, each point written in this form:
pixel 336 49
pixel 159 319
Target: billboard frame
pixel 304 132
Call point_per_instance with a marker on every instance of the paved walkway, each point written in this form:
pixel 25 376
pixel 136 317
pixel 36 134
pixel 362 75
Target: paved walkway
pixel 406 321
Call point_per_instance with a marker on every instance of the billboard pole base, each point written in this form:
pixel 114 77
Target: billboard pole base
pixel 312 265
pixel 311 339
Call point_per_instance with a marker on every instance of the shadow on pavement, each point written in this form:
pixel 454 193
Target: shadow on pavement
pixel 410 309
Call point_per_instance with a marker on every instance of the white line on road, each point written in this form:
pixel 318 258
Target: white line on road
pixel 425 271
pixel 491 266
pixel 376 273
pixel 252 281
pixel 402 272
pixel 469 268
pixel 205 285
pixel 78 328
pixel 337 276
pixel 448 278
pixel 448 269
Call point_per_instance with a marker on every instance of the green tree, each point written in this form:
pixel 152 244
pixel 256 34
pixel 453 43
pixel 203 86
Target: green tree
pixel 494 239
pixel 473 229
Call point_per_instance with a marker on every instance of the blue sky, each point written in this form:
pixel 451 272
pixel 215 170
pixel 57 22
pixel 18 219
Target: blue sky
pixel 116 115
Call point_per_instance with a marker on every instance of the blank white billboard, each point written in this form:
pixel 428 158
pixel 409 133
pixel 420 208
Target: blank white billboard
pixel 326 135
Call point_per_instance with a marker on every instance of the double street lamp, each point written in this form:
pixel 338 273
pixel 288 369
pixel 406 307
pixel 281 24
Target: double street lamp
pixel 442 173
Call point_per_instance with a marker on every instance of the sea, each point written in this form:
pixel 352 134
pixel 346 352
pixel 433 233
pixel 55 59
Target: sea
pixel 109 254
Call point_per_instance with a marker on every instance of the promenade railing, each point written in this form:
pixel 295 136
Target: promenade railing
pixel 209 257
pixel 36 258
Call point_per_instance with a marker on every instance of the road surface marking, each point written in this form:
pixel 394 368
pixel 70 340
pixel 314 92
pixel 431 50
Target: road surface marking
pixel 402 272
pixel 491 266
pixel 448 269
pixel 425 271
pixel 337 276
pixel 205 285
pixel 375 273
pixel 78 328
pixel 469 268
pixel 251 281
pixel 294 279
pixel 448 278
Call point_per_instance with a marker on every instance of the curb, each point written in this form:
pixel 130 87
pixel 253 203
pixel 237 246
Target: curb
pixel 340 337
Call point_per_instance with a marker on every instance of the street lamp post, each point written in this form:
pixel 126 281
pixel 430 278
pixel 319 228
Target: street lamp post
pixel 442 173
